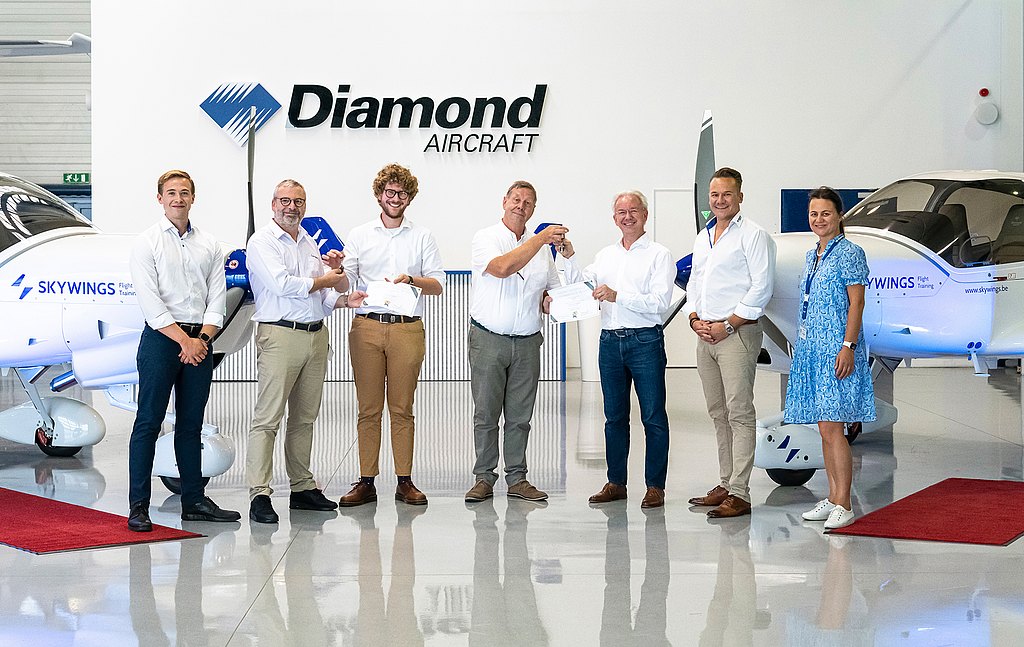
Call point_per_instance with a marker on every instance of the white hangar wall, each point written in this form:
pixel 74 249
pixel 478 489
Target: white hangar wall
pixel 803 93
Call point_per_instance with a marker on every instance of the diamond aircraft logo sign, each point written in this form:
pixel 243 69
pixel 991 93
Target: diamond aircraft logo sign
pixel 229 106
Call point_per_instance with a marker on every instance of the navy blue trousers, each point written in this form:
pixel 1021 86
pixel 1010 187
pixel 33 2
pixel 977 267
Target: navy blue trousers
pixel 160 370
pixel 634 357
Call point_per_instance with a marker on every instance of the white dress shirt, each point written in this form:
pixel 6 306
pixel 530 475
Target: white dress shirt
pixel 734 275
pixel 281 273
pixel 178 278
pixel 374 253
pixel 512 305
pixel 642 277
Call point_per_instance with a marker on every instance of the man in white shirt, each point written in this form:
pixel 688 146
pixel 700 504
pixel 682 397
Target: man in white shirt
pixel 387 348
pixel 511 274
pixel 731 283
pixel 295 289
pixel 178 274
pixel 633 281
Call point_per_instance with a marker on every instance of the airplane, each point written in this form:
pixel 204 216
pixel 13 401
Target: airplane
pixel 945 252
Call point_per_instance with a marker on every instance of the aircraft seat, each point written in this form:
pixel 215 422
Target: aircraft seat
pixel 1008 247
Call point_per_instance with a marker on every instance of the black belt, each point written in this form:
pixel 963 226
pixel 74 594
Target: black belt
pixel 628 332
pixel 191 329
pixel 296 325
pixel 388 318
pixel 477 324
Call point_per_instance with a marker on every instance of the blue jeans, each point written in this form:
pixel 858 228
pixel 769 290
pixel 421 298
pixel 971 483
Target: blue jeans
pixel 634 356
pixel 160 370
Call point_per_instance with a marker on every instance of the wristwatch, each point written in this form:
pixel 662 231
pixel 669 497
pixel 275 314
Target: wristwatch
pixel 852 345
pixel 729 329
pixel 205 337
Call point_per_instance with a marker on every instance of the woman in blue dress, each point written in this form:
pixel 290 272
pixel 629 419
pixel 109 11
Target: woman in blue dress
pixel 829 382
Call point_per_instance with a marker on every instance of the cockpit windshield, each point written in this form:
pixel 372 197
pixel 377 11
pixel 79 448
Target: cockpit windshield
pixel 966 222
pixel 27 210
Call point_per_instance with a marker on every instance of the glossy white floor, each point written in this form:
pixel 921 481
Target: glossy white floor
pixel 510 572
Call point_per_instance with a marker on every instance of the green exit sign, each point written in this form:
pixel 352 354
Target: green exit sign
pixel 76 178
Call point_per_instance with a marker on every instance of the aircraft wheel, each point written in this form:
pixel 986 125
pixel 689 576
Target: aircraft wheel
pixel 853 430
pixel 60 452
pixel 790 477
pixel 173 483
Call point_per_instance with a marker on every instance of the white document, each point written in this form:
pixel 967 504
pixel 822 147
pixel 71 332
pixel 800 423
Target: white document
pixel 573 302
pixel 399 298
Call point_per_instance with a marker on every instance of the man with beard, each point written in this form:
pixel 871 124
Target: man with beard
pixel 295 289
pixel 387 348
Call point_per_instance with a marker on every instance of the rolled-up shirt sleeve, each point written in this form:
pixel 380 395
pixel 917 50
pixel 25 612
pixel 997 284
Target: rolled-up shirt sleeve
pixel 431 264
pixel 217 289
pixel 760 253
pixel 142 267
pixel 266 264
pixel 658 296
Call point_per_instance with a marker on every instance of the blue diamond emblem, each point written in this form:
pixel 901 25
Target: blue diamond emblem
pixel 229 106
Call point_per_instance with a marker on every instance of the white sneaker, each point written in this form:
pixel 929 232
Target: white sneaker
pixel 820 512
pixel 838 518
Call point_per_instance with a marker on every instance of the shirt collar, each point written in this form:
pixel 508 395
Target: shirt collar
pixel 639 243
pixel 281 234
pixel 379 224
pixel 167 225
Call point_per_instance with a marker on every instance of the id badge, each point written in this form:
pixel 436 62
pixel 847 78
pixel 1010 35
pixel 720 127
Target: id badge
pixel 802 332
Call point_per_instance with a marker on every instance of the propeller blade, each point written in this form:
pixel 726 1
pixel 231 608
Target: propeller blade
pixel 703 170
pixel 250 146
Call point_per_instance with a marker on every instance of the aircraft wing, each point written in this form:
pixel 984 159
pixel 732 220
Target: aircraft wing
pixel 75 44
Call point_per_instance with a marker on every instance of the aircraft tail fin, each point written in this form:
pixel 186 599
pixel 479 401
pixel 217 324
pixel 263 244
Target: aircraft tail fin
pixel 703 170
pixel 321 232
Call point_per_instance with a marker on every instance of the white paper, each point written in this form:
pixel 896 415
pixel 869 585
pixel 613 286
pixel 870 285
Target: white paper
pixel 399 298
pixel 573 302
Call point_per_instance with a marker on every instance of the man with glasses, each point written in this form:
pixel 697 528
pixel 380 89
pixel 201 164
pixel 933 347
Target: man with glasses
pixel 511 274
pixel 633 281
pixel 295 289
pixel 178 274
pixel 386 347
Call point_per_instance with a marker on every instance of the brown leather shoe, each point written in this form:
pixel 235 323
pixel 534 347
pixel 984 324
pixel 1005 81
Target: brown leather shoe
pixel 733 506
pixel 655 498
pixel 715 496
pixel 610 492
pixel 409 493
pixel 359 494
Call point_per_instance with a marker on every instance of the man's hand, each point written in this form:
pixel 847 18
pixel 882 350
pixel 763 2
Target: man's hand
pixel 193 351
pixel 355 298
pixel 328 280
pixel 545 305
pixel 333 259
pixel 403 278
pixel 552 235
pixel 703 330
pixel 605 293
pixel 566 249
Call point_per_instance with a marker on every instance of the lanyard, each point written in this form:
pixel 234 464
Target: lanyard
pixel 814 270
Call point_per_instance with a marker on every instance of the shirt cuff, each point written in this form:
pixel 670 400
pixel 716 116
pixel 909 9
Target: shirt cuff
pixel 748 312
pixel 213 319
pixel 161 321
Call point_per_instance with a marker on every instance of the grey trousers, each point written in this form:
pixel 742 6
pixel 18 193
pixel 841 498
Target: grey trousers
pixel 504 372
pixel 727 372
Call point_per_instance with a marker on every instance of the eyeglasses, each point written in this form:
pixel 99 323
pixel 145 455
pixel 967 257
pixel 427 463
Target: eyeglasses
pixel 287 202
pixel 622 212
pixel 402 195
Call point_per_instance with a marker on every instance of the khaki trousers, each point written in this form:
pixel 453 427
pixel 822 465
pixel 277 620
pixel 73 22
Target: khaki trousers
pixel 291 365
pixel 727 371
pixel 386 360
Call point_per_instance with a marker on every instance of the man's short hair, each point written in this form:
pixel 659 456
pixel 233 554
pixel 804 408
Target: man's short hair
pixel 522 184
pixel 289 183
pixel 398 174
pixel 634 194
pixel 732 174
pixel 170 175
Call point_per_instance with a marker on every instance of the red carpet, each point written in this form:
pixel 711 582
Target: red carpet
pixel 962 511
pixel 41 525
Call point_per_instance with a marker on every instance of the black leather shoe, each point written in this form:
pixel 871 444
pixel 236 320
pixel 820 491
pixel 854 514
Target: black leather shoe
pixel 311 500
pixel 138 519
pixel 261 510
pixel 207 510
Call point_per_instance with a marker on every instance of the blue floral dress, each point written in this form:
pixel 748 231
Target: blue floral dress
pixel 814 394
